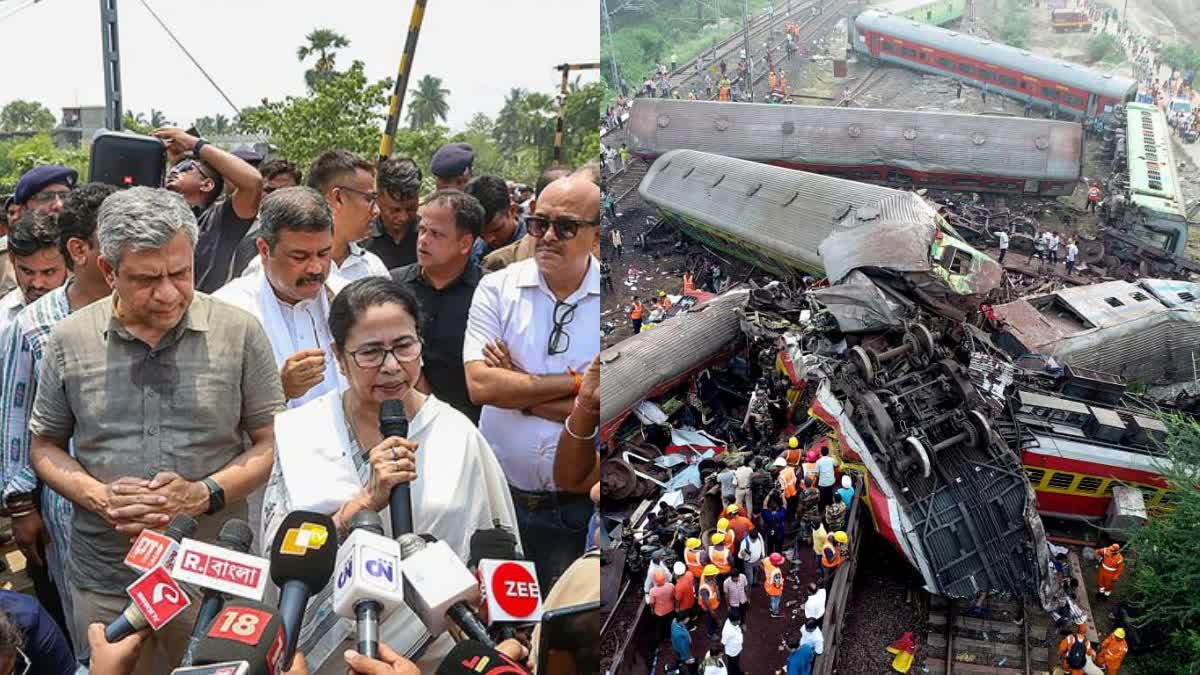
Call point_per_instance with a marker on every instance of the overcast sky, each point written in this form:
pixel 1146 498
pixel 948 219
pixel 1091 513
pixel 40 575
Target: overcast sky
pixel 51 50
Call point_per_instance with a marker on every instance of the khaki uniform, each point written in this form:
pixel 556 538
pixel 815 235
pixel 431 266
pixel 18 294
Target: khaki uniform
pixel 507 255
pixel 8 278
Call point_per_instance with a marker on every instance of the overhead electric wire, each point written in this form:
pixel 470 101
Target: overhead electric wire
pixel 236 110
pixel 31 3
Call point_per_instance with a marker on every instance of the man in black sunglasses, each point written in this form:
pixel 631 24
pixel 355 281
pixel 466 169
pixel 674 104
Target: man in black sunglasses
pixel 533 329
pixel 200 179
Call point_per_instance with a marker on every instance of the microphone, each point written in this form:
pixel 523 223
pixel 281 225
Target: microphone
pixel 152 549
pixel 155 597
pixel 368 587
pixel 496 544
pixel 472 658
pixel 302 559
pixel 511 591
pixel 245 631
pixel 236 536
pixel 438 586
pixel 393 422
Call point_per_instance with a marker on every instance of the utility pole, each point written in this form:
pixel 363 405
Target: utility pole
pixel 388 141
pixel 566 69
pixel 112 65
pixel 612 54
pixel 749 74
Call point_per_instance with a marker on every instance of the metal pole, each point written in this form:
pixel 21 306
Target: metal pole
pixel 746 42
pixel 112 65
pixel 612 53
pixel 566 68
pixel 410 48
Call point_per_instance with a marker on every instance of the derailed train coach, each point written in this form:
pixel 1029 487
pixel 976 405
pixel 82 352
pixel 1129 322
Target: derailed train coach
pixel 951 151
pixel 787 221
pixel 1050 84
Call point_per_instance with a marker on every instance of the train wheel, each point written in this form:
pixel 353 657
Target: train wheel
pixel 981 431
pixel 877 416
pixel 862 361
pixel 917 454
pixel 924 338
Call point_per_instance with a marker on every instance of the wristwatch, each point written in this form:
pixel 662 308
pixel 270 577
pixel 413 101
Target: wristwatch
pixel 216 496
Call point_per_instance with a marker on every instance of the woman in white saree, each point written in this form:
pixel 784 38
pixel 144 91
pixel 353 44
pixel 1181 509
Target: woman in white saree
pixel 330 457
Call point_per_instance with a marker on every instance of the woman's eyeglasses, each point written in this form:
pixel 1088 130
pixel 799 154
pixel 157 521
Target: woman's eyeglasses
pixel 372 358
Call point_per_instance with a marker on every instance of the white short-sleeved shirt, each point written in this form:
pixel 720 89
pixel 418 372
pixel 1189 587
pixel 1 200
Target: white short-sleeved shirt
pixel 516 306
pixel 10 306
pixel 360 264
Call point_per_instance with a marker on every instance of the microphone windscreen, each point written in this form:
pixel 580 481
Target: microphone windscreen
pixel 305 550
pixel 244 630
pixel 472 658
pixel 236 535
pixel 495 543
pixel 368 520
pixel 392 420
pixel 181 527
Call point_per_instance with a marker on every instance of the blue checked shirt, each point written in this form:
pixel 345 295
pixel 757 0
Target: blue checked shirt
pixel 21 351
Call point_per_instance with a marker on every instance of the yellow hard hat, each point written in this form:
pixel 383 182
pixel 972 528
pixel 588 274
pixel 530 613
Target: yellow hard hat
pixel 841 537
pixel 710 570
pixel 731 509
pixel 662 294
pixel 718 538
pixel 793 442
pixel 723 524
pixel 693 543
pixel 1120 632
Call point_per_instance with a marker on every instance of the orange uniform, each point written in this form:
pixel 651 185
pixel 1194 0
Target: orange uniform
pixel 695 561
pixel 787 482
pixel 773 581
pixel 1112 564
pixel 831 555
pixel 685 592
pixel 719 556
pixel 1064 651
pixel 638 311
pixel 771 80
pixel 740 525
pixel 689 282
pixel 710 600
pixel 1112 654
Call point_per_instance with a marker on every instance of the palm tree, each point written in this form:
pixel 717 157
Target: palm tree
pixel 220 125
pixel 428 104
pixel 323 42
pixel 158 119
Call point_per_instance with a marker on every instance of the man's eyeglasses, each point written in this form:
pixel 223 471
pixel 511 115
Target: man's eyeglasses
pixel 189 165
pixel 567 228
pixel 50 195
pixel 18 668
pixel 560 340
pixel 371 197
pixel 372 358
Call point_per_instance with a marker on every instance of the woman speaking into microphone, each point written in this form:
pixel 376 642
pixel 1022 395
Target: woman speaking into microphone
pixel 330 457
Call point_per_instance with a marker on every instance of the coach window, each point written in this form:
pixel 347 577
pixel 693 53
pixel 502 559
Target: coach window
pixel 946 63
pixel 1007 81
pixel 966 69
pixel 1050 93
pixel 1024 84
pixel 889 47
pixel 987 74
pixel 908 51
pixel 1071 99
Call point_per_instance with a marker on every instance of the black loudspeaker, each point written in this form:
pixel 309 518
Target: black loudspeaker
pixel 126 160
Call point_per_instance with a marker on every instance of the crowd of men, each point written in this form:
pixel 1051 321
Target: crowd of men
pixel 149 337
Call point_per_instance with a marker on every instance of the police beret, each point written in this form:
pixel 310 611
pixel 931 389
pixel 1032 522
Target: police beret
pixel 452 160
pixel 39 177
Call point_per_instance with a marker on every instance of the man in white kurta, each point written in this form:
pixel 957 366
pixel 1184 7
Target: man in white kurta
pixel 289 292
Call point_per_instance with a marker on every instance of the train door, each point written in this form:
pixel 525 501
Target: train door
pixel 1092 104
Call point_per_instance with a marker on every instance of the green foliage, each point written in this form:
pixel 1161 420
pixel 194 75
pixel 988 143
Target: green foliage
pixel 1102 47
pixel 1010 23
pixel 1181 56
pixel 20 155
pixel 1166 561
pixel 427 103
pixel 343 110
pixel 136 123
pixel 21 115
pixel 323 43
pixel 217 125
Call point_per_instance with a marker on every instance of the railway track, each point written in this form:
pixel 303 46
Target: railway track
pixel 808 30
pixel 626 180
pixel 1002 638
pixel 869 80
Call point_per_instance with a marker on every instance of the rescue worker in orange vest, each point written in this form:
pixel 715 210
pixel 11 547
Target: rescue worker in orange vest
pixel 723 90
pixel 783 85
pixel 718 554
pixel 792 457
pixel 1112 563
pixel 1074 651
pixel 1112 652
pixel 787 485
pixel 771 80
pixel 739 524
pixel 689 283
pixel 831 559
pixel 1093 198
pixel 685 591
pixel 694 557
pixel 730 536
pixel 664 303
pixel 773 581
pixel 636 312
pixel 710 598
